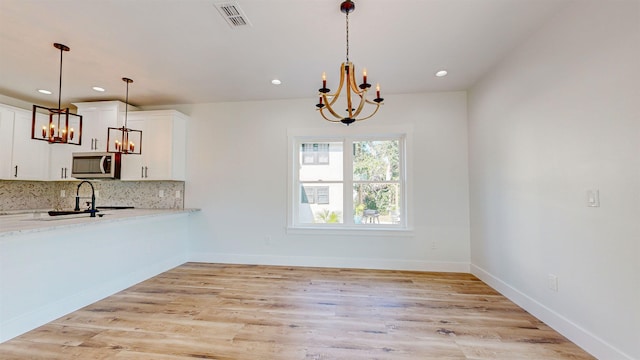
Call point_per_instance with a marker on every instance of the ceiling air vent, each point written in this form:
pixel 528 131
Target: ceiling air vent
pixel 232 13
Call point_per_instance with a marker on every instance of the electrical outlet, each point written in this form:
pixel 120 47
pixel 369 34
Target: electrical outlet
pixel 63 193
pixel 177 194
pixel 552 282
pixel 161 193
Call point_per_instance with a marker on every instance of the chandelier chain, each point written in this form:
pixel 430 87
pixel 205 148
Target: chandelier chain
pixel 347 32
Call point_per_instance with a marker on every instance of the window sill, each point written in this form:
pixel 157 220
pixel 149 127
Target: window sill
pixel 351 231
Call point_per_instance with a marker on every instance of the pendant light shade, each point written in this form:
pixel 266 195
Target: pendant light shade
pixel 124 140
pixel 56 126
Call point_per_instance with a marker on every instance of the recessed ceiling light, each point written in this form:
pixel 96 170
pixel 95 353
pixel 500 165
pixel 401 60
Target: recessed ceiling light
pixel 98 88
pixel 441 73
pixel 276 82
pixel 43 91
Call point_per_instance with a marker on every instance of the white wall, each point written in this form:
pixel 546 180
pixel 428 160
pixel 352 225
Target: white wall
pixel 559 116
pixel 237 175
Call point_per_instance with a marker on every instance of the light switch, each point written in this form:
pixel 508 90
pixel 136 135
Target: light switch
pixel 593 198
pixel 161 193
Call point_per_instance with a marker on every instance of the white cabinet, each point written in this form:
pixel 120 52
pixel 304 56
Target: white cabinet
pixel 21 158
pixel 163 146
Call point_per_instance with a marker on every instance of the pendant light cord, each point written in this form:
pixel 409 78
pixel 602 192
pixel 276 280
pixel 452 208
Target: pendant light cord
pixel 126 105
pixel 60 83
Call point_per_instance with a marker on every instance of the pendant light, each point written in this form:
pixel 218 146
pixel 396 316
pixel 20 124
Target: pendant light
pixel 124 140
pixel 56 126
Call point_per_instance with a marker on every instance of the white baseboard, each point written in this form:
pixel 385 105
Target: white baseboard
pixel 42 315
pixel 580 336
pixel 313 261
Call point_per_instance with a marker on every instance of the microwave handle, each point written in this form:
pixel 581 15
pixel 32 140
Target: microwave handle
pixel 102 163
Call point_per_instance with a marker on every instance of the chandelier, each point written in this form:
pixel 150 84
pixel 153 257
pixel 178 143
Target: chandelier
pixel 56 126
pixel 356 95
pixel 125 140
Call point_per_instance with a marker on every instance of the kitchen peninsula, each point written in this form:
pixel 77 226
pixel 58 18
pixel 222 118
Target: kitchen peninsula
pixel 49 268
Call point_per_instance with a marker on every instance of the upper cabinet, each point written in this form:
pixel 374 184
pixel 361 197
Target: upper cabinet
pixel 163 146
pixel 21 158
pixel 97 116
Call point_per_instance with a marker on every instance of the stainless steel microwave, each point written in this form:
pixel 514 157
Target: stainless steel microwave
pixel 95 165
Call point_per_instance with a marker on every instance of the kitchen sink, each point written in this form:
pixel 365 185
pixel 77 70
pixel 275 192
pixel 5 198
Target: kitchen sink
pixel 82 212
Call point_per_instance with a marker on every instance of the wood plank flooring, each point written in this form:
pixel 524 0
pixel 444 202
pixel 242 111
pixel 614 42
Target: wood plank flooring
pixel 215 311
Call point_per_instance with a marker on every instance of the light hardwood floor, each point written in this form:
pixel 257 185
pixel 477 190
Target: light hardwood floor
pixel 215 311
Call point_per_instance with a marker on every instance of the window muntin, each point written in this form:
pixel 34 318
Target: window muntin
pixel 372 170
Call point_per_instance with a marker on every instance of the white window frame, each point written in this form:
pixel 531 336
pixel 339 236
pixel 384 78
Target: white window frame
pixel 297 137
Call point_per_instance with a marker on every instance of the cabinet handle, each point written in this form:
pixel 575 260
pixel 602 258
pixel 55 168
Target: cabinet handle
pixel 61 173
pixel 65 173
pixel 95 147
pixel 92 144
pixel 146 172
pixel 142 171
pixel 16 173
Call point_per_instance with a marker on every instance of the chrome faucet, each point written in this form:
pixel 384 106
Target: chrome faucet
pixel 93 198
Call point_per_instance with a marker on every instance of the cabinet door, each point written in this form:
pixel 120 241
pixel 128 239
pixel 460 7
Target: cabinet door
pixel 60 161
pixel 6 142
pixel 95 124
pixel 157 148
pixel 163 146
pixel 30 160
pixel 133 165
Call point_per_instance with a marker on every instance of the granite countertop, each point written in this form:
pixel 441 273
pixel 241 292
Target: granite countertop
pixel 26 221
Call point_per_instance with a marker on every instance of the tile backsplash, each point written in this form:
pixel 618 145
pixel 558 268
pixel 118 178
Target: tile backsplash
pixel 28 195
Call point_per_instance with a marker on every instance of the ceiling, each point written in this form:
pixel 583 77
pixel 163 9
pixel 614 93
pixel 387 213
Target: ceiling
pixel 183 51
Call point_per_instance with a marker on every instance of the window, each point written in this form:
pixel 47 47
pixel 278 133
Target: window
pixel 355 182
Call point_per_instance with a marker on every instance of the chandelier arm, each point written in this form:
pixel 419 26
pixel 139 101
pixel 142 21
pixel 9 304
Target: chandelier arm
pixel 348 91
pixel 336 95
pixel 363 101
pixel 328 119
pixel 330 108
pixel 370 115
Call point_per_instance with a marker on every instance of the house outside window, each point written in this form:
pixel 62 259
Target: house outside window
pixel 348 182
pixel 315 153
pixel 316 194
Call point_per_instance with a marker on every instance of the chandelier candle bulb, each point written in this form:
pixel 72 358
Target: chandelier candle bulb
pixel 378 91
pixel 364 76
